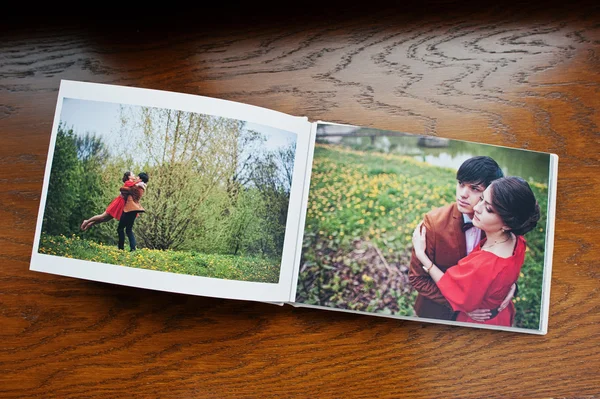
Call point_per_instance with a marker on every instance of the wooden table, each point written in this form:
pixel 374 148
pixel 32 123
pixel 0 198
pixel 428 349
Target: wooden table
pixel 524 76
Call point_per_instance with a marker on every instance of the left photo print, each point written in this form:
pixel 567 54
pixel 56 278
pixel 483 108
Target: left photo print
pixel 168 190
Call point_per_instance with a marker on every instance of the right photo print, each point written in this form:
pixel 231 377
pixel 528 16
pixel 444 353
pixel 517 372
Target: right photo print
pixel 420 226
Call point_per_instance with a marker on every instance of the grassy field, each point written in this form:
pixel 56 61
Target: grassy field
pixel 362 210
pixel 228 267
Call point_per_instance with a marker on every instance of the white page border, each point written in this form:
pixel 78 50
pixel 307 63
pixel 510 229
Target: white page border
pixel 171 282
pixel 303 211
pixel 549 251
pixel 425 320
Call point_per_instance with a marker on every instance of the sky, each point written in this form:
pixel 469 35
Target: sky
pixel 102 118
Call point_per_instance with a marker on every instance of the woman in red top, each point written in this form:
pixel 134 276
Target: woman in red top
pixel 481 280
pixel 115 208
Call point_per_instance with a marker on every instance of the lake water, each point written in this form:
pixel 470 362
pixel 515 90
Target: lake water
pixel 514 162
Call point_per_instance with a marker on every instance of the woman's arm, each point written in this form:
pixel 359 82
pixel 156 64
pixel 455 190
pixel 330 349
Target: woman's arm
pixel 419 244
pixel 455 298
pixel 435 273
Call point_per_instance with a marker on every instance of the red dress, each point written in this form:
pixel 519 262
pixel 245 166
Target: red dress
pixel 115 208
pixel 481 280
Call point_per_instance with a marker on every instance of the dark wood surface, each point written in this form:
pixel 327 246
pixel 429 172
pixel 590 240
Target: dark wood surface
pixel 524 76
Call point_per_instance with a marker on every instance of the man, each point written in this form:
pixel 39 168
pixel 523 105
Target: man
pixel 451 236
pixel 131 210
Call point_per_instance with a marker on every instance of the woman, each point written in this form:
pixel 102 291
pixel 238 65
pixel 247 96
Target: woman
pixel 506 211
pixel 115 208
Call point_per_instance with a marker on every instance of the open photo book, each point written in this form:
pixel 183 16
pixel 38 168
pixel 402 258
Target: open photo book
pixel 196 195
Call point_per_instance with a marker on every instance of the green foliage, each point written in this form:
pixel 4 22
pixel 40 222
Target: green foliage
pixel 274 192
pixel 362 210
pixel 91 154
pixel 75 188
pixel 63 185
pixel 188 156
pixel 241 268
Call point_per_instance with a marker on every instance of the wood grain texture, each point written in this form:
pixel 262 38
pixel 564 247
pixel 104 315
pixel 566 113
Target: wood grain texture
pixel 524 76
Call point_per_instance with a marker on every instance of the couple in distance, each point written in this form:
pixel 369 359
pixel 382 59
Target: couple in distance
pixel 467 256
pixel 125 208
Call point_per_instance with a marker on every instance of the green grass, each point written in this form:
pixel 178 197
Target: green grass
pixel 375 200
pixel 378 197
pixel 230 267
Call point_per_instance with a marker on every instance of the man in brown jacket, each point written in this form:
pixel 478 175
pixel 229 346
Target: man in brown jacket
pixel 131 210
pixel 451 236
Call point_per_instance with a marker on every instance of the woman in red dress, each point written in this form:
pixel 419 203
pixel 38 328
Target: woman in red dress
pixel 115 208
pixel 481 280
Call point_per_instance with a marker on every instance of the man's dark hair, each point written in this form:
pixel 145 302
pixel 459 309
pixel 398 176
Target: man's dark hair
pixel 144 177
pixel 126 176
pixel 479 170
pixel 514 202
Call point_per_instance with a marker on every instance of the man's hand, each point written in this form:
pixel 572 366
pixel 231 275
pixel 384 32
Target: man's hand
pixel 509 297
pixel 480 314
pixel 486 314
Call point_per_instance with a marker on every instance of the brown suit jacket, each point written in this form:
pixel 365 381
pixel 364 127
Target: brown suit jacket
pixel 446 245
pixel 134 194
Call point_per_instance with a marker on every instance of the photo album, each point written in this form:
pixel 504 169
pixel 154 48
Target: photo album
pixel 196 195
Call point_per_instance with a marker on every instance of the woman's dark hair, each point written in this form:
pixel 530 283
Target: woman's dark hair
pixel 479 170
pixel 126 176
pixel 515 203
pixel 144 177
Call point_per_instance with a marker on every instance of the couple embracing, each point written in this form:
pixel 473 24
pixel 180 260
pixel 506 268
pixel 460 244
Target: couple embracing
pixel 467 256
pixel 125 208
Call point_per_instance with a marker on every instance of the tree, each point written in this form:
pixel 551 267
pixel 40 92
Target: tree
pixel 272 177
pixel 91 150
pixel 244 224
pixel 63 190
pixel 244 155
pixel 187 156
pixel 286 157
pixel 76 189
pixel 92 155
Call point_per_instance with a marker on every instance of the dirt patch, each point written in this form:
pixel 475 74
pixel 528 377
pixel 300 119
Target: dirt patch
pixel 363 278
